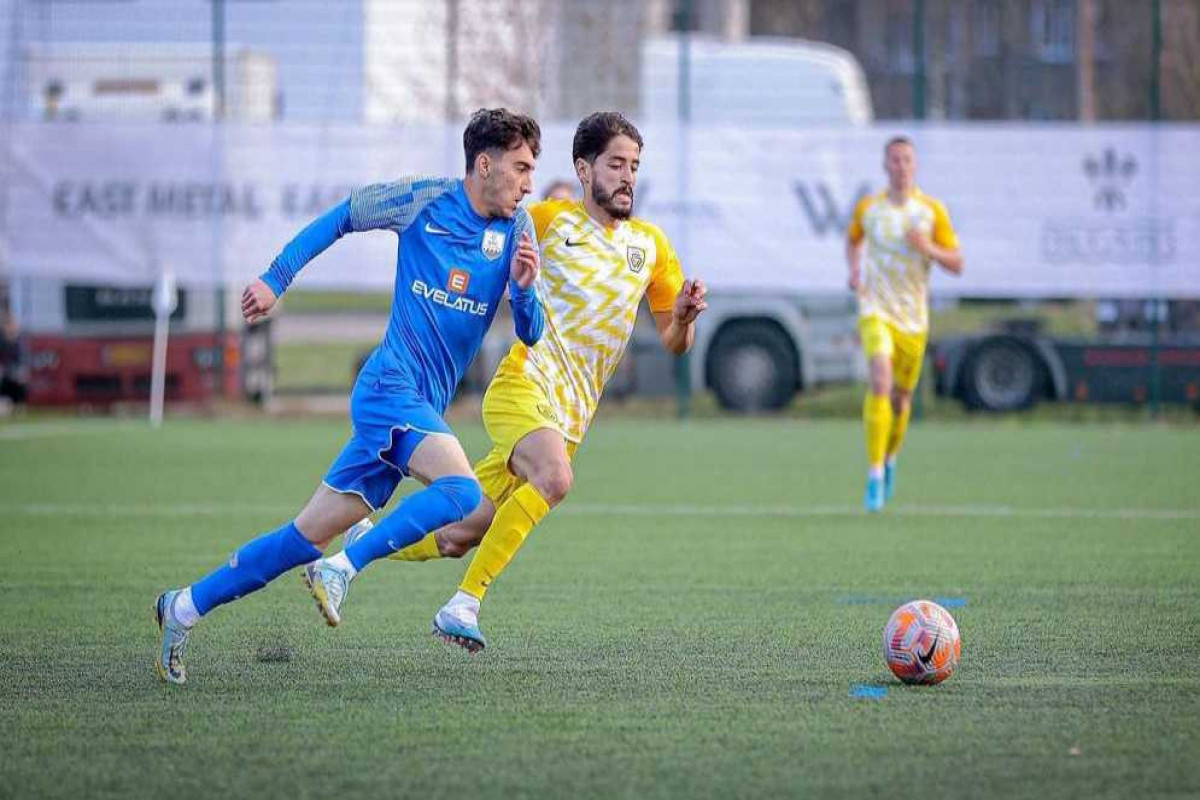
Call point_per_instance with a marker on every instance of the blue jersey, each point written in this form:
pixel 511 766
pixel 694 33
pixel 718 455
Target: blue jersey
pixel 452 267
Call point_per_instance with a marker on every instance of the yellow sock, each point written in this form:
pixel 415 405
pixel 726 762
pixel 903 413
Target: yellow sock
pixel 877 416
pixel 424 550
pixel 514 519
pixel 899 428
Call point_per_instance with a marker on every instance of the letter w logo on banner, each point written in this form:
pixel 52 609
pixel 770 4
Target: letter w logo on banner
pixel 827 217
pixel 459 281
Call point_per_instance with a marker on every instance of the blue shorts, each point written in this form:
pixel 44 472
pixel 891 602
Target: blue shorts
pixel 390 419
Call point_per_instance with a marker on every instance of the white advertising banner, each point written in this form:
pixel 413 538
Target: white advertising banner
pixel 1042 211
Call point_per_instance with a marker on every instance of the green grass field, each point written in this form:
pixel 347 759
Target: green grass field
pixel 690 624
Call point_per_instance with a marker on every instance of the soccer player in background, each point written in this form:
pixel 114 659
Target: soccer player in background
pixel 559 189
pixel 894 238
pixel 597 262
pixel 461 244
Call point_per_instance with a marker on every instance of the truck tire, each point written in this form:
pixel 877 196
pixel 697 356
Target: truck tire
pixel 1002 375
pixel 752 366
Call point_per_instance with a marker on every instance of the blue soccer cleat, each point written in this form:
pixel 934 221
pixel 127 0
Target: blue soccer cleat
pixel 889 480
pixel 328 586
pixel 875 497
pixel 456 625
pixel 174 641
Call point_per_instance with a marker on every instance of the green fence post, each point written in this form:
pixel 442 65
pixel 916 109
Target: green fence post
pixel 918 99
pixel 1159 303
pixel 683 363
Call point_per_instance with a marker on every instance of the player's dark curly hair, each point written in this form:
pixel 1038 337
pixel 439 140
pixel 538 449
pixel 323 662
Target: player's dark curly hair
pixel 499 129
pixel 597 130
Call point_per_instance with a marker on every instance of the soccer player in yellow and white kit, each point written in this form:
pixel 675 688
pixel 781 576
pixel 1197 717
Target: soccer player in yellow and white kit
pixel 895 236
pixel 597 262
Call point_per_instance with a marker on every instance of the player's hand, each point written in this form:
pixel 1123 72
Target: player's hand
pixel 690 302
pixel 257 301
pixel 919 241
pixel 525 263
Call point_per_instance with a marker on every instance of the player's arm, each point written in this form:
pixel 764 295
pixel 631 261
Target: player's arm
pixel 675 302
pixel 949 259
pixel 528 317
pixel 943 246
pixel 381 206
pixel 677 327
pixel 855 245
pixel 259 297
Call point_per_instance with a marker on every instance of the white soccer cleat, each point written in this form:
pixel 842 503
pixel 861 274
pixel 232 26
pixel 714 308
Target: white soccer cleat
pixel 457 622
pixel 356 531
pixel 173 646
pixel 328 586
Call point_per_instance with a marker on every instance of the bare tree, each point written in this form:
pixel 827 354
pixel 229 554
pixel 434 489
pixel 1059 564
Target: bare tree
pixel 1181 60
pixel 503 46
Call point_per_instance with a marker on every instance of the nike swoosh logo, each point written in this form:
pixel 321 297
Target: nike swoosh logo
pixel 928 656
pixel 575 243
pixel 435 231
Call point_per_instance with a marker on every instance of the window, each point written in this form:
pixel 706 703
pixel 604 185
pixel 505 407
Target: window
pixel 985 28
pixel 1052 30
pixel 898 38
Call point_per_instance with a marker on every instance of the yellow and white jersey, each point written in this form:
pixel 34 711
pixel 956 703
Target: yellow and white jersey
pixel 895 277
pixel 591 282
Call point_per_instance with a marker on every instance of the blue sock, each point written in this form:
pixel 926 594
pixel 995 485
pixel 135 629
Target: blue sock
pixel 253 566
pixel 443 502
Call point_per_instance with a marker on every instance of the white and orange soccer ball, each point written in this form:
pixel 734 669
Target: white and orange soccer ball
pixel 921 643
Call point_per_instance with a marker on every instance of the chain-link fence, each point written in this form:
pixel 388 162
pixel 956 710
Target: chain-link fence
pixel 145 135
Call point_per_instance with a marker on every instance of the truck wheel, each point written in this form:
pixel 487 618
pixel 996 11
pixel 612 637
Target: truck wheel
pixel 752 367
pixel 1002 376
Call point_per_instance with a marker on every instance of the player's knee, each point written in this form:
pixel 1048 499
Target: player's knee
pixel 464 492
pixel 880 376
pixel 452 549
pixel 455 541
pixel 553 482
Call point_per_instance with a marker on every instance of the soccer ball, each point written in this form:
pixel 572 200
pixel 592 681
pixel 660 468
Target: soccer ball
pixel 921 643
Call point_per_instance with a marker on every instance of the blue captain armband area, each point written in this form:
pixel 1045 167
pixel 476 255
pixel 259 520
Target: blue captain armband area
pixel 528 317
pixel 308 244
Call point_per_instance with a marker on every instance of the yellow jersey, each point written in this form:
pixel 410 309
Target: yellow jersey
pixel 895 277
pixel 590 283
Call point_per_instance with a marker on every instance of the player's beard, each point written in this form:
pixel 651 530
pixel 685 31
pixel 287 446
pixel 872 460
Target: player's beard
pixel 605 201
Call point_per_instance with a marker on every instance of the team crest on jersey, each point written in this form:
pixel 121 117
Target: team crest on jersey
pixel 493 244
pixel 636 257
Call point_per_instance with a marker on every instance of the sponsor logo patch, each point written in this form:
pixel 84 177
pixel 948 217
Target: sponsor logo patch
pixel 443 298
pixel 459 281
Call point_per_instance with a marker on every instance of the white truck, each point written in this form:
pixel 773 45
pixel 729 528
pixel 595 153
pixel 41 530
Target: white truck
pixel 763 338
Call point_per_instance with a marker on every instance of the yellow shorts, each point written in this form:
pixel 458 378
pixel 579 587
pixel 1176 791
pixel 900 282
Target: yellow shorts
pixel 905 350
pixel 513 407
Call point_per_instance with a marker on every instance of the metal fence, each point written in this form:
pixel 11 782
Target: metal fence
pixel 135 131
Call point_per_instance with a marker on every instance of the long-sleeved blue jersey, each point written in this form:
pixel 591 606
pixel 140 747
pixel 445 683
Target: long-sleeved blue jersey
pixel 452 266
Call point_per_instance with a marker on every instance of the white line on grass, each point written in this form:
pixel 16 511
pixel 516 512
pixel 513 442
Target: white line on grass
pixel 142 509
pixel 39 430
pixel 52 509
pixel 903 511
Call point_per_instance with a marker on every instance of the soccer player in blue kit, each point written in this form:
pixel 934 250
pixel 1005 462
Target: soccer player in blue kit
pixel 462 242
